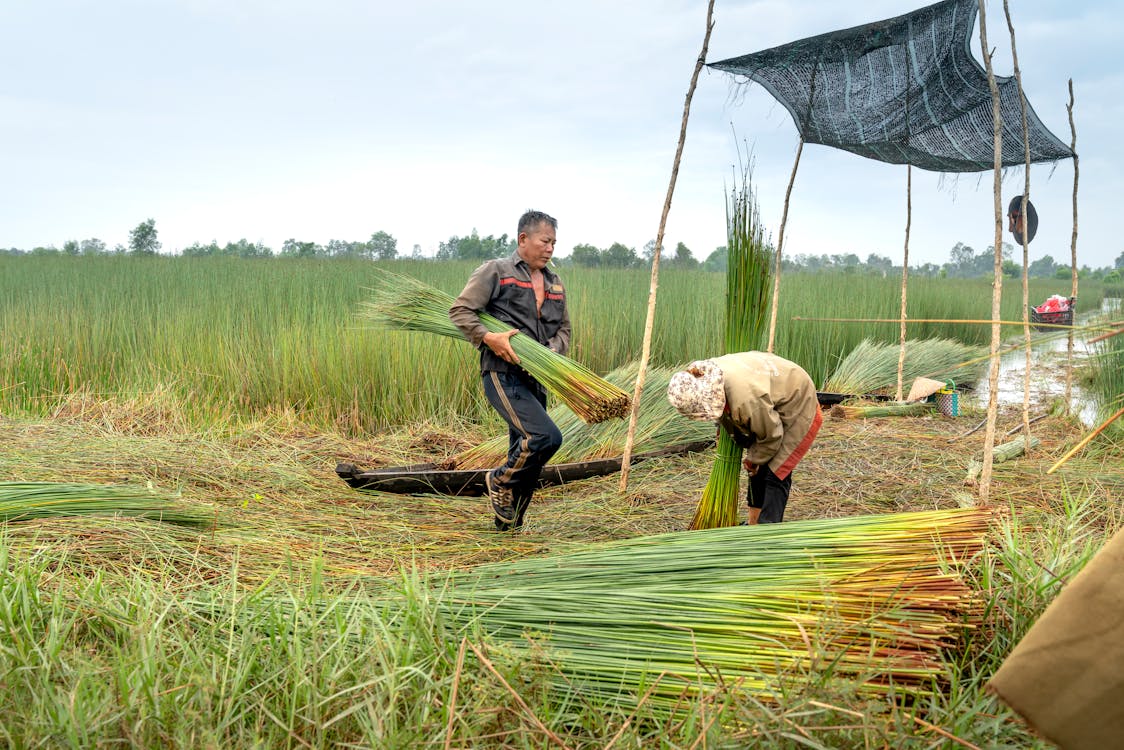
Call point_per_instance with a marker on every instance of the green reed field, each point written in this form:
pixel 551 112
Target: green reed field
pixel 233 338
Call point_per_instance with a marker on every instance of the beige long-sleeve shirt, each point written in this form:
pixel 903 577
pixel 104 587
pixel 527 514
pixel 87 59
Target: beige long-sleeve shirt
pixel 771 408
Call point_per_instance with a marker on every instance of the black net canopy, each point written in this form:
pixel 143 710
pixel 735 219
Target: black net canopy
pixel 905 90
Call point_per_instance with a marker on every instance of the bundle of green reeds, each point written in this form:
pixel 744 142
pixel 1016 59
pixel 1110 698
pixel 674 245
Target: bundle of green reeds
pixel 894 409
pixel 23 501
pixel 999 454
pixel 869 598
pixel 873 368
pixel 658 426
pixel 747 300
pixel 405 303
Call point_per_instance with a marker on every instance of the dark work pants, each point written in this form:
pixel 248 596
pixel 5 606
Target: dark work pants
pixel 533 438
pixel 769 494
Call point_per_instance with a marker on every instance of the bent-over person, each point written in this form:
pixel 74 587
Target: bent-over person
pixel 768 406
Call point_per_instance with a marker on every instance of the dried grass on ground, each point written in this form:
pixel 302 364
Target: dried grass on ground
pixel 278 504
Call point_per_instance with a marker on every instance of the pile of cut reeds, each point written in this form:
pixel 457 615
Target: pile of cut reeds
pixel 869 598
pixel 405 303
pixel 24 501
pixel 747 300
pixel 999 454
pixel 894 409
pixel 873 368
pixel 658 426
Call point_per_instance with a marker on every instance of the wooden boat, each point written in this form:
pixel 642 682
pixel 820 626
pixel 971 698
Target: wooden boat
pixel 429 478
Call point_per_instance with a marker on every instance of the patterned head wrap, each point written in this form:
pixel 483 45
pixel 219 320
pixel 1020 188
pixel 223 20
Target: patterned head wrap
pixel 698 392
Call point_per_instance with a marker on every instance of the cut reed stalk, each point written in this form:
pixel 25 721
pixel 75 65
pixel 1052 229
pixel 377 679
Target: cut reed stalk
pixel 872 598
pixel 747 305
pixel 848 411
pixel 23 501
pixel 872 367
pixel 999 454
pixel 405 303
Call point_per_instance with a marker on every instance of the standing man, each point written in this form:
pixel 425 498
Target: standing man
pixel 768 406
pixel 522 292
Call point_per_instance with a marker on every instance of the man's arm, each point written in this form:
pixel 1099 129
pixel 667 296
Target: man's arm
pixel 477 293
pixel 560 341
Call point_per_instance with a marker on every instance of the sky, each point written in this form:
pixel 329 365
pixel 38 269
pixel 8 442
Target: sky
pixel 335 119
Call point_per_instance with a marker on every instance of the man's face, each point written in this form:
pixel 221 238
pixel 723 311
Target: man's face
pixel 537 245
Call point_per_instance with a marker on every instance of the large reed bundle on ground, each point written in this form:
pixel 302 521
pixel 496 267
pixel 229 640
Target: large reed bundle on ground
pixel 871 367
pixel 405 303
pixel 658 426
pixel 747 301
pixel 869 598
pixel 23 501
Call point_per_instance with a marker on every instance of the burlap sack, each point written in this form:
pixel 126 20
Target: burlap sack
pixel 1066 676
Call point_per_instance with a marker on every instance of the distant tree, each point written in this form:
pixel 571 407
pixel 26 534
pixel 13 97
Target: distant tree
pixel 1062 273
pixel 1012 270
pixel 962 260
pixel 586 255
pixel 649 251
pixel 92 246
pixel 1043 268
pixel 296 249
pixel 1119 263
pixel 71 247
pixel 143 240
pixel 243 248
pixel 1112 277
pixel 683 257
pixel 383 246
pixel 416 254
pixel 197 250
pixel 48 250
pixel 716 261
pixel 475 247
pixel 346 249
pixel 619 256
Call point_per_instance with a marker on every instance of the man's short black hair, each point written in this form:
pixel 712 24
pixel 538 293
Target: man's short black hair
pixel 532 219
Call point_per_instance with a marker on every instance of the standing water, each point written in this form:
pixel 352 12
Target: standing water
pixel 1047 372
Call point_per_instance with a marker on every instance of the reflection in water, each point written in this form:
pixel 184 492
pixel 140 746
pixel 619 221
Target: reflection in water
pixel 1047 375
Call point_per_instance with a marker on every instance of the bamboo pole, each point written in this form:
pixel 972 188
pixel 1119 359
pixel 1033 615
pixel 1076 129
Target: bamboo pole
pixel 1026 229
pixel 905 254
pixel 1094 327
pixel 997 286
pixel 646 348
pixel 905 270
pixel 1072 248
pixel 780 248
pixel 1085 441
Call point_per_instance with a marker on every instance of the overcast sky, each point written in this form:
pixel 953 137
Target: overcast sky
pixel 334 119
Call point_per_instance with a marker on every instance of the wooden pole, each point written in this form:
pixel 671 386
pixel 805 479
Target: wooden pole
pixel 1072 248
pixel 997 284
pixel 780 249
pixel 1025 232
pixel 626 457
pixel 905 272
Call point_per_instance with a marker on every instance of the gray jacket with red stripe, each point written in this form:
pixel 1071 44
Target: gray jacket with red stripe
pixel 771 408
pixel 502 288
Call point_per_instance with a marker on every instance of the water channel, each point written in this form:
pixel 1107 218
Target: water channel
pixel 1047 377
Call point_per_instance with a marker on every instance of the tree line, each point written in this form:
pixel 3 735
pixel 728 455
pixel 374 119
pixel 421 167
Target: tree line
pixel 964 261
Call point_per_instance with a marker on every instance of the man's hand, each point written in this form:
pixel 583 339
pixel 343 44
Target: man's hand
pixel 750 467
pixel 500 344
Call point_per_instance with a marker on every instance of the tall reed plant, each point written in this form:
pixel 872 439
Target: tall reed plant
pixel 747 305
